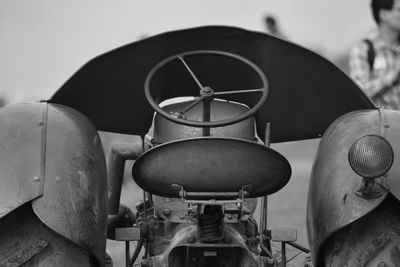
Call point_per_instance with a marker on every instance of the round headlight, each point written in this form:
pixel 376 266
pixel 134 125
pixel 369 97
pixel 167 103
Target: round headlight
pixel 371 156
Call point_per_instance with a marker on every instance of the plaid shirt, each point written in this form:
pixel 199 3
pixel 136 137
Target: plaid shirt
pixel 381 83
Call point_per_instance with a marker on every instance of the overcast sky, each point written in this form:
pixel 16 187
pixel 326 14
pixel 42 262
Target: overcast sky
pixel 43 42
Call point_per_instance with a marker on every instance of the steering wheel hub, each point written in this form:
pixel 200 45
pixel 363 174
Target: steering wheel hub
pixel 206 91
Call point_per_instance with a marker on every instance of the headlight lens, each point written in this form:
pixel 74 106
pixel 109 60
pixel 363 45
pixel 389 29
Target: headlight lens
pixel 371 156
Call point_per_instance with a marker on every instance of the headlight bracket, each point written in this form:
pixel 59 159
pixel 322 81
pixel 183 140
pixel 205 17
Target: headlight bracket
pixel 369 189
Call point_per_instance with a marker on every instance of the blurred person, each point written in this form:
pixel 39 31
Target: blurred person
pixel 375 61
pixel 3 101
pixel 273 27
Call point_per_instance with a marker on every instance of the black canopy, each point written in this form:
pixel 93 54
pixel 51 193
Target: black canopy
pixel 306 91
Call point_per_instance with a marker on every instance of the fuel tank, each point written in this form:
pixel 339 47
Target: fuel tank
pixel 165 130
pixel 335 210
pixel 52 159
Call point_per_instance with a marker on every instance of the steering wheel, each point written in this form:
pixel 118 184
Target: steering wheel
pixel 206 93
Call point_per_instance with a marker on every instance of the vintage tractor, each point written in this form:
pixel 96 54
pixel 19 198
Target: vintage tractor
pixel 221 95
pixel 203 171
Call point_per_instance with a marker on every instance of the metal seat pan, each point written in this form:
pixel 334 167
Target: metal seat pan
pixel 214 165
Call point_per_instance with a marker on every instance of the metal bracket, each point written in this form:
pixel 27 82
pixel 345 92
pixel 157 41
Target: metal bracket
pixel 127 234
pixel 369 189
pixel 196 197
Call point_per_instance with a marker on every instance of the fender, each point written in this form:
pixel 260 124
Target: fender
pixel 52 157
pixel 332 202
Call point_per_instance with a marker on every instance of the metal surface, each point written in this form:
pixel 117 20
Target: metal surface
pixel 22 154
pixel 279 234
pixel 120 152
pixel 165 131
pixel 124 218
pixel 307 92
pixel 373 240
pixel 264 200
pixel 211 165
pixel 127 234
pixel 390 130
pixel 52 155
pixel 206 117
pixel 73 203
pixel 185 246
pixel 26 241
pixel 332 201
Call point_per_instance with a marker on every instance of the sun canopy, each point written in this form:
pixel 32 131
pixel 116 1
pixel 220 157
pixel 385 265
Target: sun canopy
pixel 306 91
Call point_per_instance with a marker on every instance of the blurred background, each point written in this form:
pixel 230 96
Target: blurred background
pixel 43 42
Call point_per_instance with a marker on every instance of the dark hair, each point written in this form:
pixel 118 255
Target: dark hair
pixel 270 20
pixel 378 5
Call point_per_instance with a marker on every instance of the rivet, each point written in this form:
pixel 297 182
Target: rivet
pixel 386 126
pixel 40 123
pixel 166 212
pixel 36 179
pixel 227 239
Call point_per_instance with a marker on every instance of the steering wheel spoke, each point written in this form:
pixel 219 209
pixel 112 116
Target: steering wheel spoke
pixel 249 91
pixel 191 72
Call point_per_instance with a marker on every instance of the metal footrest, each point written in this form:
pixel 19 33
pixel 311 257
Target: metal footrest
pixel 127 234
pixel 283 235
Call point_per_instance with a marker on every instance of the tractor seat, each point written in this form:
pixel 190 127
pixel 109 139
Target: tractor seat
pixel 211 168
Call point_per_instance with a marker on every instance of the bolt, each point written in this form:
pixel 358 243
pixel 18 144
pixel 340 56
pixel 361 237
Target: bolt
pixel 167 212
pixel 207 89
pixel 191 239
pixel 227 239
pixel 194 260
pixel 145 263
